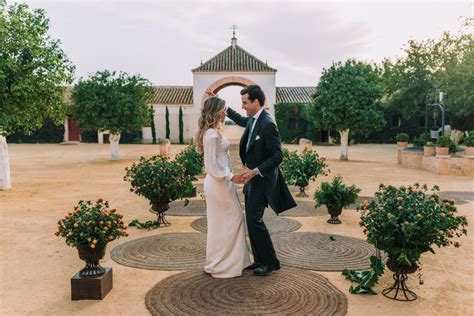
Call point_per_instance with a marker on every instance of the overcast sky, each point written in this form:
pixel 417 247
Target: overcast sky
pixel 164 40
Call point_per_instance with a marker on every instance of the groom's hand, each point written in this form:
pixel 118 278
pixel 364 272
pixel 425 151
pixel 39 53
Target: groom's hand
pixel 248 175
pixel 237 179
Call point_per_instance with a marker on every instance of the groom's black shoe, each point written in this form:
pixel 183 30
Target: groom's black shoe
pixel 265 270
pixel 253 266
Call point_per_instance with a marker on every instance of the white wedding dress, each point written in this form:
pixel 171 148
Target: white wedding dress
pixel 227 252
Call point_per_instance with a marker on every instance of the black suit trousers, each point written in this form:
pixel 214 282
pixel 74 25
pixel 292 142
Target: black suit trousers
pixel 255 204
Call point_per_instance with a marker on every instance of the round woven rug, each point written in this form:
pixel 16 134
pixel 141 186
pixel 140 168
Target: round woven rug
pixel 288 291
pixel 316 251
pixel 171 251
pixel 194 208
pixel 275 224
pixel 459 197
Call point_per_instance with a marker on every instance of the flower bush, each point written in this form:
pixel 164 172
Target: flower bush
pixel 406 222
pixel 92 224
pixel 192 161
pixel 299 169
pixel 160 180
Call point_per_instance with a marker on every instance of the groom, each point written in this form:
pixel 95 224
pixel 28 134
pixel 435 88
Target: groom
pixel 260 152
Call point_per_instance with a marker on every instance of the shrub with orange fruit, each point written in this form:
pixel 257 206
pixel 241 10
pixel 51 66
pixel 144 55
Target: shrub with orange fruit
pixel 92 224
pixel 408 221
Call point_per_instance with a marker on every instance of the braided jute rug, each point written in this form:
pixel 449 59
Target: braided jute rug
pixel 170 251
pixel 289 291
pixel 322 252
pixel 275 224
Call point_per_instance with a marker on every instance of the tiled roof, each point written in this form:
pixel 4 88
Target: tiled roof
pixel 294 94
pixel 234 59
pixel 173 95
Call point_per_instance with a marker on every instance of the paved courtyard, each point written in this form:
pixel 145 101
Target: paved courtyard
pixel 48 180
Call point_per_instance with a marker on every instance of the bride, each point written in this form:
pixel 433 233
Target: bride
pixel 227 253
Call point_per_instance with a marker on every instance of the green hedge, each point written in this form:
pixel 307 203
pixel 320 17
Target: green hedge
pixel 48 133
pixel 292 122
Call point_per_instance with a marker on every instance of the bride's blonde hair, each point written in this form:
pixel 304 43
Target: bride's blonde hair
pixel 209 119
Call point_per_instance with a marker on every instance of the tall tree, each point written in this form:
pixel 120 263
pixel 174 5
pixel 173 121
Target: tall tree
pixel 34 74
pixel 410 80
pixel 167 118
pixel 347 98
pixel 116 102
pixel 153 127
pixel 181 127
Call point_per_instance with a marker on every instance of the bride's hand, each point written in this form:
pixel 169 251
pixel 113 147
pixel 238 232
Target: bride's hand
pixel 237 179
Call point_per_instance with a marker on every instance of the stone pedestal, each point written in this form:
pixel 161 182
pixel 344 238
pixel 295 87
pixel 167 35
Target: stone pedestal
pixel 305 144
pixel 91 288
pixel 165 147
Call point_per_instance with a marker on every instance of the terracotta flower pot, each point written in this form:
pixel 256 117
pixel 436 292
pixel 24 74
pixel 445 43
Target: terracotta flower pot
pixel 401 145
pixel 469 151
pixel 442 151
pixel 91 256
pixel 429 151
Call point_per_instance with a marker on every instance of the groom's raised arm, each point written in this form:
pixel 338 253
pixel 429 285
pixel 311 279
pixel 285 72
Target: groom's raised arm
pixel 237 118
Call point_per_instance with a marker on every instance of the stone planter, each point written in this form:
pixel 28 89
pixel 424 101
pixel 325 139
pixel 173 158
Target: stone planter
pixel 334 212
pixel 442 151
pixel 165 147
pixel 401 145
pixel 429 151
pixel 91 256
pixel 399 291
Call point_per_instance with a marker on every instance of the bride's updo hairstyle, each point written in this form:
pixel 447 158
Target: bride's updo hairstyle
pixel 209 119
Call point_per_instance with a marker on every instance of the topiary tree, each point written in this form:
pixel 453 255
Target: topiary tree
pixel 112 101
pixel 299 169
pixel 34 74
pixel 167 118
pixel 161 181
pixel 347 98
pixel 153 128
pixel 181 136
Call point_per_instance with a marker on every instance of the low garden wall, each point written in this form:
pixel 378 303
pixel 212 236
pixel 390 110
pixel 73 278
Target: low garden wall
pixel 458 165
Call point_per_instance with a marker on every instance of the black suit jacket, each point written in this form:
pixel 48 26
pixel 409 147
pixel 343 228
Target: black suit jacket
pixel 264 152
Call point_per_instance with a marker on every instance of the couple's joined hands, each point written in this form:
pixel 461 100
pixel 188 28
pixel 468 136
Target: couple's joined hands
pixel 244 177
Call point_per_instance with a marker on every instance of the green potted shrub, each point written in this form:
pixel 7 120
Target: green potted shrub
pixel 402 140
pixel 335 195
pixel 299 169
pixel 160 180
pixel 469 143
pixel 89 228
pixel 406 222
pixel 419 141
pixel 193 163
pixel 442 145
